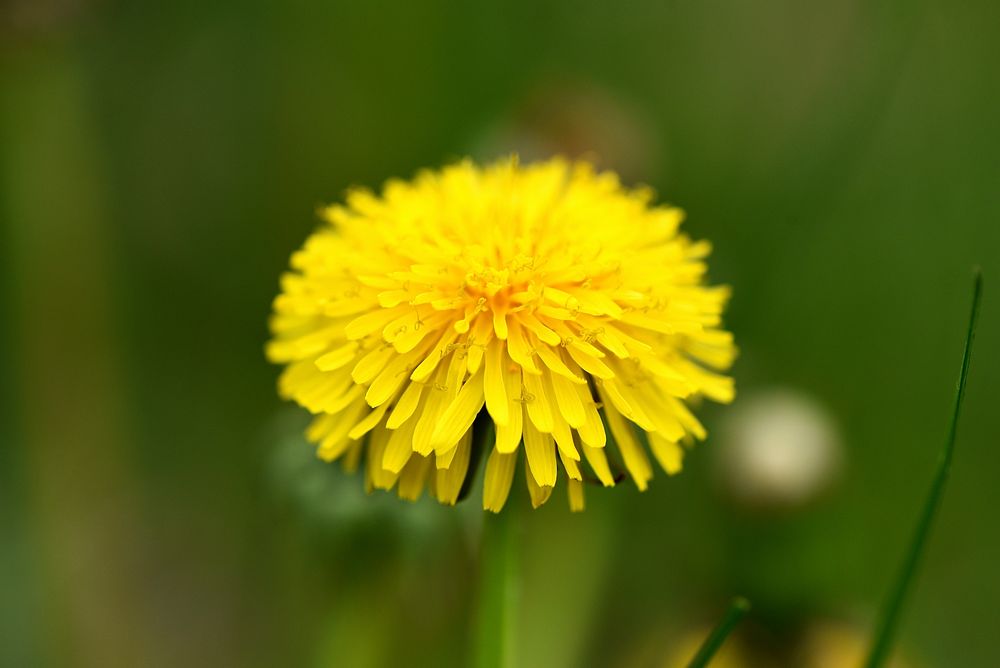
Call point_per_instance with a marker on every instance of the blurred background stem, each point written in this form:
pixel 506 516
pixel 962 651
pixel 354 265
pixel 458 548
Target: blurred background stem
pixel 738 607
pixel 500 588
pixel 79 487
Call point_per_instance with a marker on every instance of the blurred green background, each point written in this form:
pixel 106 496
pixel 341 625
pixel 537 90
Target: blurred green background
pixel 159 161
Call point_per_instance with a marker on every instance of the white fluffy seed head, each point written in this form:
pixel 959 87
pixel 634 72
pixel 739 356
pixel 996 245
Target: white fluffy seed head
pixel 779 448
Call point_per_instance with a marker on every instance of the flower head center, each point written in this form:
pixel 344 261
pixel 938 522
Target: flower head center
pixel 495 287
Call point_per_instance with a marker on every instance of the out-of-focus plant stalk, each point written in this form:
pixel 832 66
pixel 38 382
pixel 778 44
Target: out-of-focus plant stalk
pixel 499 591
pixel 67 385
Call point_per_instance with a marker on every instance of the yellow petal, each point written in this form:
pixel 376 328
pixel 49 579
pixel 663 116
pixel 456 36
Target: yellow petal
pixel 413 478
pixel 499 474
pixel 336 440
pixel 509 435
pixel 496 396
pixel 446 386
pixel 536 400
pixel 575 491
pixel 405 406
pixel 377 477
pixel 451 479
pixel 500 324
pixel 349 462
pixel 595 302
pixel 418 331
pixel 427 367
pixel 687 419
pixel 541 455
pixel 367 423
pixel 338 357
pixel 371 322
pixel 571 466
pixel 335 403
pixel 399 448
pixel 392 377
pixel 624 400
pixel 635 458
pixel 539 494
pixel 457 418
pixel 563 437
pixel 519 351
pixel 668 453
pixel 598 460
pixel 545 334
pixel 590 363
pixel 553 360
pixel 568 400
pixel 371 364
pixel 592 431
pixel 319 427
pixel 482 334
pixel 664 419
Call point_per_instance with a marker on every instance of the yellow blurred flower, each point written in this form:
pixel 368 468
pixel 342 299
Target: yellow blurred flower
pixel 560 301
pixel 837 644
pixel 823 643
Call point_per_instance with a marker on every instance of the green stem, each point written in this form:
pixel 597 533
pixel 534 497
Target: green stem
pixel 737 608
pixel 499 595
pixel 889 621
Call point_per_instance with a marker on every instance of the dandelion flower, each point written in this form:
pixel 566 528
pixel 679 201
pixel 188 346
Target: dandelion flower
pixel 562 308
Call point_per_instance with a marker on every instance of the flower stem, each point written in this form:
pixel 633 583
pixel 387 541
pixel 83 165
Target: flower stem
pixel 737 608
pixel 499 595
pixel 889 621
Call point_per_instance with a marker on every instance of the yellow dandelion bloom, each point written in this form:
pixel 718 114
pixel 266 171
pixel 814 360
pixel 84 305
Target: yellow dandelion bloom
pixel 547 299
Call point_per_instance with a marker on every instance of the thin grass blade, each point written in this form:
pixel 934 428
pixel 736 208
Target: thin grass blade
pixel 737 609
pixel 893 606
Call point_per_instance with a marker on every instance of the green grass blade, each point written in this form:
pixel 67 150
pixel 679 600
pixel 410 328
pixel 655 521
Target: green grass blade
pixel 889 621
pixel 737 608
